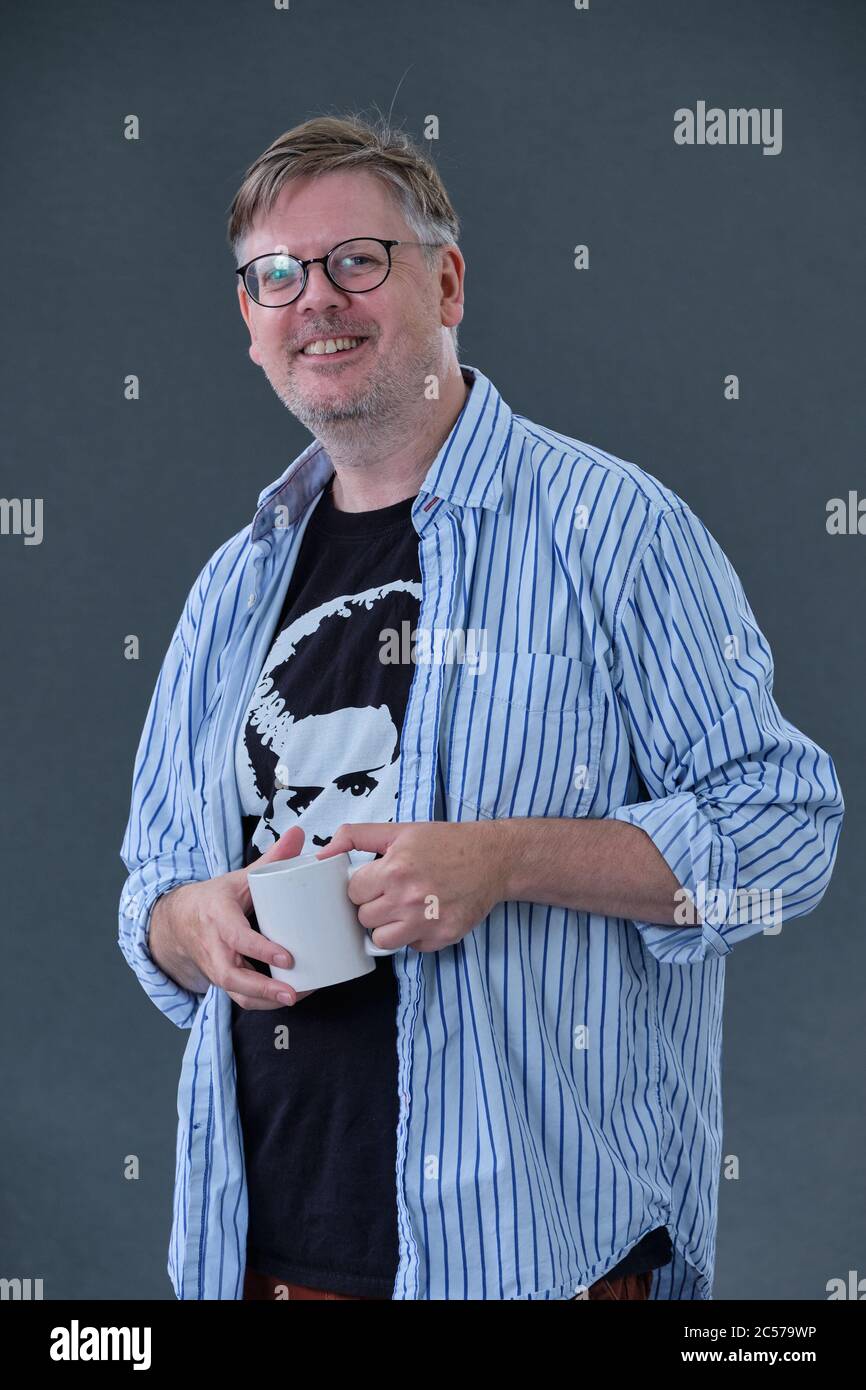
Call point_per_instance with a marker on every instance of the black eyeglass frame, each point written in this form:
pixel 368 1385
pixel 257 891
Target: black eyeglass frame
pixel 323 262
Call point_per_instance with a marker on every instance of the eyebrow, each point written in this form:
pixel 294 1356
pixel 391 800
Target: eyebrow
pixel 352 772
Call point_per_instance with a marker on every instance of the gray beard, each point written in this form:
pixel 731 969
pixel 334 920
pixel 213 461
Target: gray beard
pixel 364 410
pixel 368 411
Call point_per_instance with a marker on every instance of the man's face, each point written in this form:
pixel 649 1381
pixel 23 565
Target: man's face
pixel 401 320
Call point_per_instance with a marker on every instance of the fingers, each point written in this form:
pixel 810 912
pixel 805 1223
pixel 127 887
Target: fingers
pixel 251 984
pixel 366 835
pixel 375 912
pixel 366 884
pixel 390 935
pixel 250 989
pixel 241 937
pixel 225 927
pixel 247 1001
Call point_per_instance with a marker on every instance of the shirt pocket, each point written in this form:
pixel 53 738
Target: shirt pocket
pixel 522 737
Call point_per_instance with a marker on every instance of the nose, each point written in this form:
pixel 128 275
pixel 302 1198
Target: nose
pixel 320 292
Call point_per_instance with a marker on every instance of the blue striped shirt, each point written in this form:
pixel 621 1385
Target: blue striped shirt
pixel 558 1070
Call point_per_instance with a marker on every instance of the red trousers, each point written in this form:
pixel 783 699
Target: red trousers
pixel 268 1286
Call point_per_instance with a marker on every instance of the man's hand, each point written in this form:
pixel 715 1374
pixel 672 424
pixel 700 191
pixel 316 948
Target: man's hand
pixel 436 880
pixel 200 933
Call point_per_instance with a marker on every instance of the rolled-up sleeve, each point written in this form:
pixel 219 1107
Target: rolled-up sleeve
pixel 160 848
pixel 744 808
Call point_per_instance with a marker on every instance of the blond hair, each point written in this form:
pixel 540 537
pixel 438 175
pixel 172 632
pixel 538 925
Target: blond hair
pixel 327 143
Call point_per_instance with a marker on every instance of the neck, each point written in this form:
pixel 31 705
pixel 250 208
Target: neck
pixel 388 464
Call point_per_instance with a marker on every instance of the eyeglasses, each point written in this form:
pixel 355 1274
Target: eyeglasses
pixel 357 266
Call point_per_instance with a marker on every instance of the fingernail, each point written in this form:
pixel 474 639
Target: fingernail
pixel 281 960
pixel 284 998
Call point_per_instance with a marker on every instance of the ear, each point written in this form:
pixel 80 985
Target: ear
pixel 451 278
pixel 245 305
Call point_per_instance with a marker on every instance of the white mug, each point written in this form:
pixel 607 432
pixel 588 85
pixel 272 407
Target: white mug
pixel 303 904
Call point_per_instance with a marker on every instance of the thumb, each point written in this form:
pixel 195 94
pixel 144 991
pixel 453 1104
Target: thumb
pixel 290 844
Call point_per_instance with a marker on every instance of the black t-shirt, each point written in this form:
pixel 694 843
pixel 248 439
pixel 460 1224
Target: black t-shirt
pixel 651 1252
pixel 320 745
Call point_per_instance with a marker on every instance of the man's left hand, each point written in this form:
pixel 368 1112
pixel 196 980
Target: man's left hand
pixel 436 880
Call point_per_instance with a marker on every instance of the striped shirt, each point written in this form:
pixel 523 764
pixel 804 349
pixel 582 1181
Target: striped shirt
pixel 558 1070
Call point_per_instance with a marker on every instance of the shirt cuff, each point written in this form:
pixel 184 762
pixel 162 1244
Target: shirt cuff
pixel 136 908
pixel 703 860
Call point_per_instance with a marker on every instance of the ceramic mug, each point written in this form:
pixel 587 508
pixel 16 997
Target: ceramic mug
pixel 303 904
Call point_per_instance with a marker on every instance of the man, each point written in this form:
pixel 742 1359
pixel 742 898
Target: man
pixel 570 794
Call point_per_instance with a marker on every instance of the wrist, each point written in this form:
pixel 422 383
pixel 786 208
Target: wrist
pixel 507 848
pixel 163 947
pixel 155 933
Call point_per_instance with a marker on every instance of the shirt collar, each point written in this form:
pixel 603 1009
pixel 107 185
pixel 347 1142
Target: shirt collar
pixel 466 470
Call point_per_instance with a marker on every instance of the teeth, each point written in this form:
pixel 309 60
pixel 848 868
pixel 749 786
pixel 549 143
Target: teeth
pixel 324 345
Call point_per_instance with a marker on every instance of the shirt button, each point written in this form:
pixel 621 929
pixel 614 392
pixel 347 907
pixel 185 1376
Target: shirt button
pixel 251 600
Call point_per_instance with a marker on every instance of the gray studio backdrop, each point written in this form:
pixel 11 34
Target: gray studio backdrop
pixel 556 129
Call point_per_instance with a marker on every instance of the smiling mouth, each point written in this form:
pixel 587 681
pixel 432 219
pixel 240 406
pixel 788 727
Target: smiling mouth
pixel 335 348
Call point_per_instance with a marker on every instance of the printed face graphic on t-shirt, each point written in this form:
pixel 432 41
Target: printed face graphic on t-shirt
pixel 315 782
pixel 316 754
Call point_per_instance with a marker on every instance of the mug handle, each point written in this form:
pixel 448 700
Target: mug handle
pixel 373 950
pixel 370 946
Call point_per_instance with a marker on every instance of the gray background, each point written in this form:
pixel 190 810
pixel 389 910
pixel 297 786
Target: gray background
pixel 556 129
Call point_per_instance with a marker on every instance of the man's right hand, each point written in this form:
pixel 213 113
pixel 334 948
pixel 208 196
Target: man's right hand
pixel 200 933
